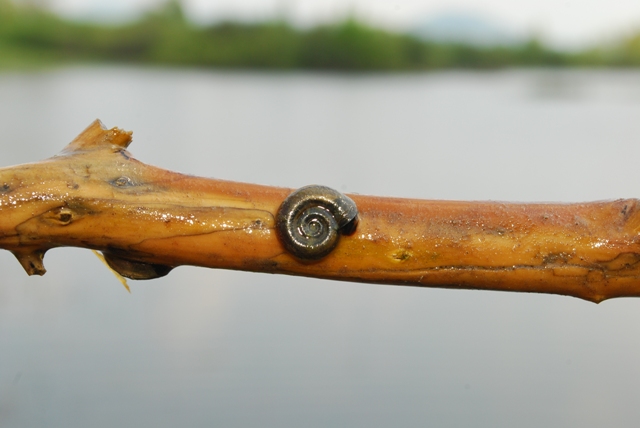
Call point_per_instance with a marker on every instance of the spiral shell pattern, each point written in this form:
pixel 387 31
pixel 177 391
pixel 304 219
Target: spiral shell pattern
pixel 311 219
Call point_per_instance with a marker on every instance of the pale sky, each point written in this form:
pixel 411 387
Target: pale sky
pixel 561 22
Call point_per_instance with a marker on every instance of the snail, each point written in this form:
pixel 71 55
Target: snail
pixel 310 220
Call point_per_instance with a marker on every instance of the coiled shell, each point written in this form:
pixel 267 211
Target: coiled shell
pixel 310 220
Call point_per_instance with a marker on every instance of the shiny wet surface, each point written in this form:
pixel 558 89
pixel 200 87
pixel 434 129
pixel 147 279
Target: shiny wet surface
pixel 219 348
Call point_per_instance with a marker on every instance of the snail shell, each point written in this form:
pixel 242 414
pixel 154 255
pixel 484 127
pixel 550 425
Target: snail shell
pixel 310 220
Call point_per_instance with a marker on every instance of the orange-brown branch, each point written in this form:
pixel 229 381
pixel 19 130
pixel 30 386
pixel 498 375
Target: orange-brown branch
pixel 147 220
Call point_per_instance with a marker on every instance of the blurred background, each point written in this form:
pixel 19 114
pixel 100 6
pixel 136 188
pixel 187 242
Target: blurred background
pixel 356 35
pixel 482 100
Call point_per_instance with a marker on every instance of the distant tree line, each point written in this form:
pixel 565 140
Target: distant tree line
pixel 31 36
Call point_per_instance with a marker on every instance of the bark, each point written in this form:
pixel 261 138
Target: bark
pixel 147 220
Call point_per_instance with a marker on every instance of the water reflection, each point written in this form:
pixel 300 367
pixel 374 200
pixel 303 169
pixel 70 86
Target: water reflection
pixel 216 348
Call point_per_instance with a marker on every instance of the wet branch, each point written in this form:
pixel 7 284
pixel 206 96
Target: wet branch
pixel 146 221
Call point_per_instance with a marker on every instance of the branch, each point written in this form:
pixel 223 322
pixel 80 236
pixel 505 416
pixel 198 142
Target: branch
pixel 146 221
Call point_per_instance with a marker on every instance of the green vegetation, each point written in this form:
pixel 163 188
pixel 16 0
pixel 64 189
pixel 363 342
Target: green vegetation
pixel 34 37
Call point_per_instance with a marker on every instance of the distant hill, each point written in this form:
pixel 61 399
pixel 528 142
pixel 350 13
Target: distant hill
pixel 36 37
pixel 466 28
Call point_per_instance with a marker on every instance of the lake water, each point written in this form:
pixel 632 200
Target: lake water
pixel 203 348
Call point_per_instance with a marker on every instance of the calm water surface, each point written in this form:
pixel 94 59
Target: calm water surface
pixel 204 348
